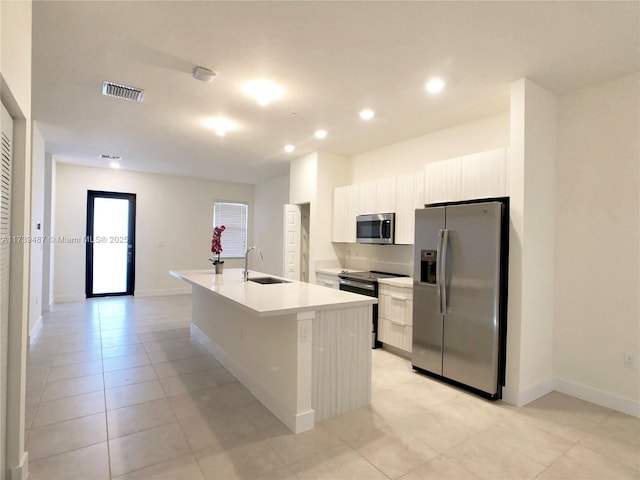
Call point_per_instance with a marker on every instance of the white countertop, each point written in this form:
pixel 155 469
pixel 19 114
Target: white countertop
pixel 398 282
pixel 273 299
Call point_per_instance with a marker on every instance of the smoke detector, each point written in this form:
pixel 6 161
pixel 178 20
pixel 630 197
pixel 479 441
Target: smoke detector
pixel 124 92
pixel 203 74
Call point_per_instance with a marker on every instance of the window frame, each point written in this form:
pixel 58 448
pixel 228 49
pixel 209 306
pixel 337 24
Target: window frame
pixel 240 245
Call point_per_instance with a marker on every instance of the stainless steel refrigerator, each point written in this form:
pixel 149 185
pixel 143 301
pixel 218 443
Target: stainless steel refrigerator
pixel 460 293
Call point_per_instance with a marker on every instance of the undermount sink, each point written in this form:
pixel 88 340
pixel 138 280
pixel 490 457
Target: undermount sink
pixel 268 280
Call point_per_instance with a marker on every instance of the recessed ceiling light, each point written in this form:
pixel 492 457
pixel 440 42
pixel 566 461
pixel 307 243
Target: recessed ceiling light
pixel 367 114
pixel 221 125
pixel 263 90
pixel 435 85
pixel 114 165
pixel 320 133
pixel 289 148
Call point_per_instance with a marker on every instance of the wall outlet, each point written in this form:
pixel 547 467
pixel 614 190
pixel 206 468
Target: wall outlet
pixel 630 360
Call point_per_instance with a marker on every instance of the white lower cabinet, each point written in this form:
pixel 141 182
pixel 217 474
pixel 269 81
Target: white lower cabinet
pixel 395 316
pixel 327 280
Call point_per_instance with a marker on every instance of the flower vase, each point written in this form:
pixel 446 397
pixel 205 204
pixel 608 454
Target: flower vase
pixel 218 267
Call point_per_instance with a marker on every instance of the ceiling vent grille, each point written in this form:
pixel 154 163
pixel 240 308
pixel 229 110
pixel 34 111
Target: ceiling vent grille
pixel 122 91
pixel 104 156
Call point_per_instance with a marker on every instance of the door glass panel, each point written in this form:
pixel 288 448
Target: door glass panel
pixel 110 230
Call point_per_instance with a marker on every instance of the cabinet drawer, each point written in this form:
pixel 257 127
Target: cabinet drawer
pixel 396 292
pixel 395 334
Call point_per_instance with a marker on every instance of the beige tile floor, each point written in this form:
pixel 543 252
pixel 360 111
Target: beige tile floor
pixel 117 389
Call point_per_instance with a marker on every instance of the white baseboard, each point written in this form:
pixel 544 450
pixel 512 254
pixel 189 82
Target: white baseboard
pixel 593 395
pixel 21 472
pixel 296 423
pixel 35 329
pixel 69 298
pixel 162 293
pixel 529 395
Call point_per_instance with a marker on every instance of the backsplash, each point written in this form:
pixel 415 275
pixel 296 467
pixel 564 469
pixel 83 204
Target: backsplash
pixel 385 258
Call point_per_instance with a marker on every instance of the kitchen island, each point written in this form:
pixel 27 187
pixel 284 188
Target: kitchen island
pixel 303 350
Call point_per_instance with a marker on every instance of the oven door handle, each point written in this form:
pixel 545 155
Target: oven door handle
pixel 356 284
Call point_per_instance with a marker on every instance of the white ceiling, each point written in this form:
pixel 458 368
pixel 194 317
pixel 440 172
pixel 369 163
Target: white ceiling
pixel 333 59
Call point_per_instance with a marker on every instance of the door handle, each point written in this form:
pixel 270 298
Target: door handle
pixel 439 270
pixel 443 268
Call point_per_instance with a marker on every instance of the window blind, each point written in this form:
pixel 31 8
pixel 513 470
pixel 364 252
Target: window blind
pixel 234 217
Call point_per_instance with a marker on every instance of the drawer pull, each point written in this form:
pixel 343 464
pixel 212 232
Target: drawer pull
pixel 398 298
pixel 400 324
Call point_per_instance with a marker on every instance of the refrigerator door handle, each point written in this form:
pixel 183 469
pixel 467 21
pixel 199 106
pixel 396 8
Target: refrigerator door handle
pixel 439 270
pixel 443 270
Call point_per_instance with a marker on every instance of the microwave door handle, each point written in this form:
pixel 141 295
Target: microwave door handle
pixel 438 271
pixel 381 223
pixel 443 268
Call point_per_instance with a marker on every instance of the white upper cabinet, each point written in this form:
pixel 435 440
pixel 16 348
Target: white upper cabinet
pixel 442 180
pixel 409 196
pixel 484 175
pixel 367 193
pixel 480 175
pixel 385 195
pixel 339 203
pixel 345 203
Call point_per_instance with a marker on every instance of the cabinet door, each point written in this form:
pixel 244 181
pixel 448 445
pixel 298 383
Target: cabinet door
pixel 396 312
pixel 409 196
pixel 484 174
pixel 350 212
pixel 442 181
pixel 367 197
pixel 338 233
pixel 386 195
pixel 405 217
pixel 345 203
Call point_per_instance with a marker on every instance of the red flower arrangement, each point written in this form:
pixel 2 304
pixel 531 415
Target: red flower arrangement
pixel 216 245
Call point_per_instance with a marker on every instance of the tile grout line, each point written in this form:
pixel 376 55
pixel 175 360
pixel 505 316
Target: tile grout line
pixel 104 393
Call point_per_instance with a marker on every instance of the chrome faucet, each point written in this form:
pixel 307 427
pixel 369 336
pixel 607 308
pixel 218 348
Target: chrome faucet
pixel 245 274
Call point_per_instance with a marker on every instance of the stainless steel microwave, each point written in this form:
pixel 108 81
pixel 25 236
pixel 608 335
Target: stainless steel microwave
pixel 376 228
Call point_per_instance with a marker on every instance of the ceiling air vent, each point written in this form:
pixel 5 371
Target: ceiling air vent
pixel 122 91
pixel 104 156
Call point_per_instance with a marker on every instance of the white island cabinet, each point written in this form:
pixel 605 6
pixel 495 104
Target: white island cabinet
pixel 303 350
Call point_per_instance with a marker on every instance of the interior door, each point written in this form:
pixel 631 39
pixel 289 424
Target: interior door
pixel 110 267
pixel 6 160
pixel 292 229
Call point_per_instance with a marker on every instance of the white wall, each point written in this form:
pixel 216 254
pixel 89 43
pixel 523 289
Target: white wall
pixel 597 286
pixel 410 156
pixel 37 219
pixel 532 156
pixel 333 170
pixel 303 175
pixel 49 231
pixel 312 180
pixel 175 211
pixel 268 225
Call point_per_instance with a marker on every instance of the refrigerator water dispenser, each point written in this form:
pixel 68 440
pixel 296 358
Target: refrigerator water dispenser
pixel 428 266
